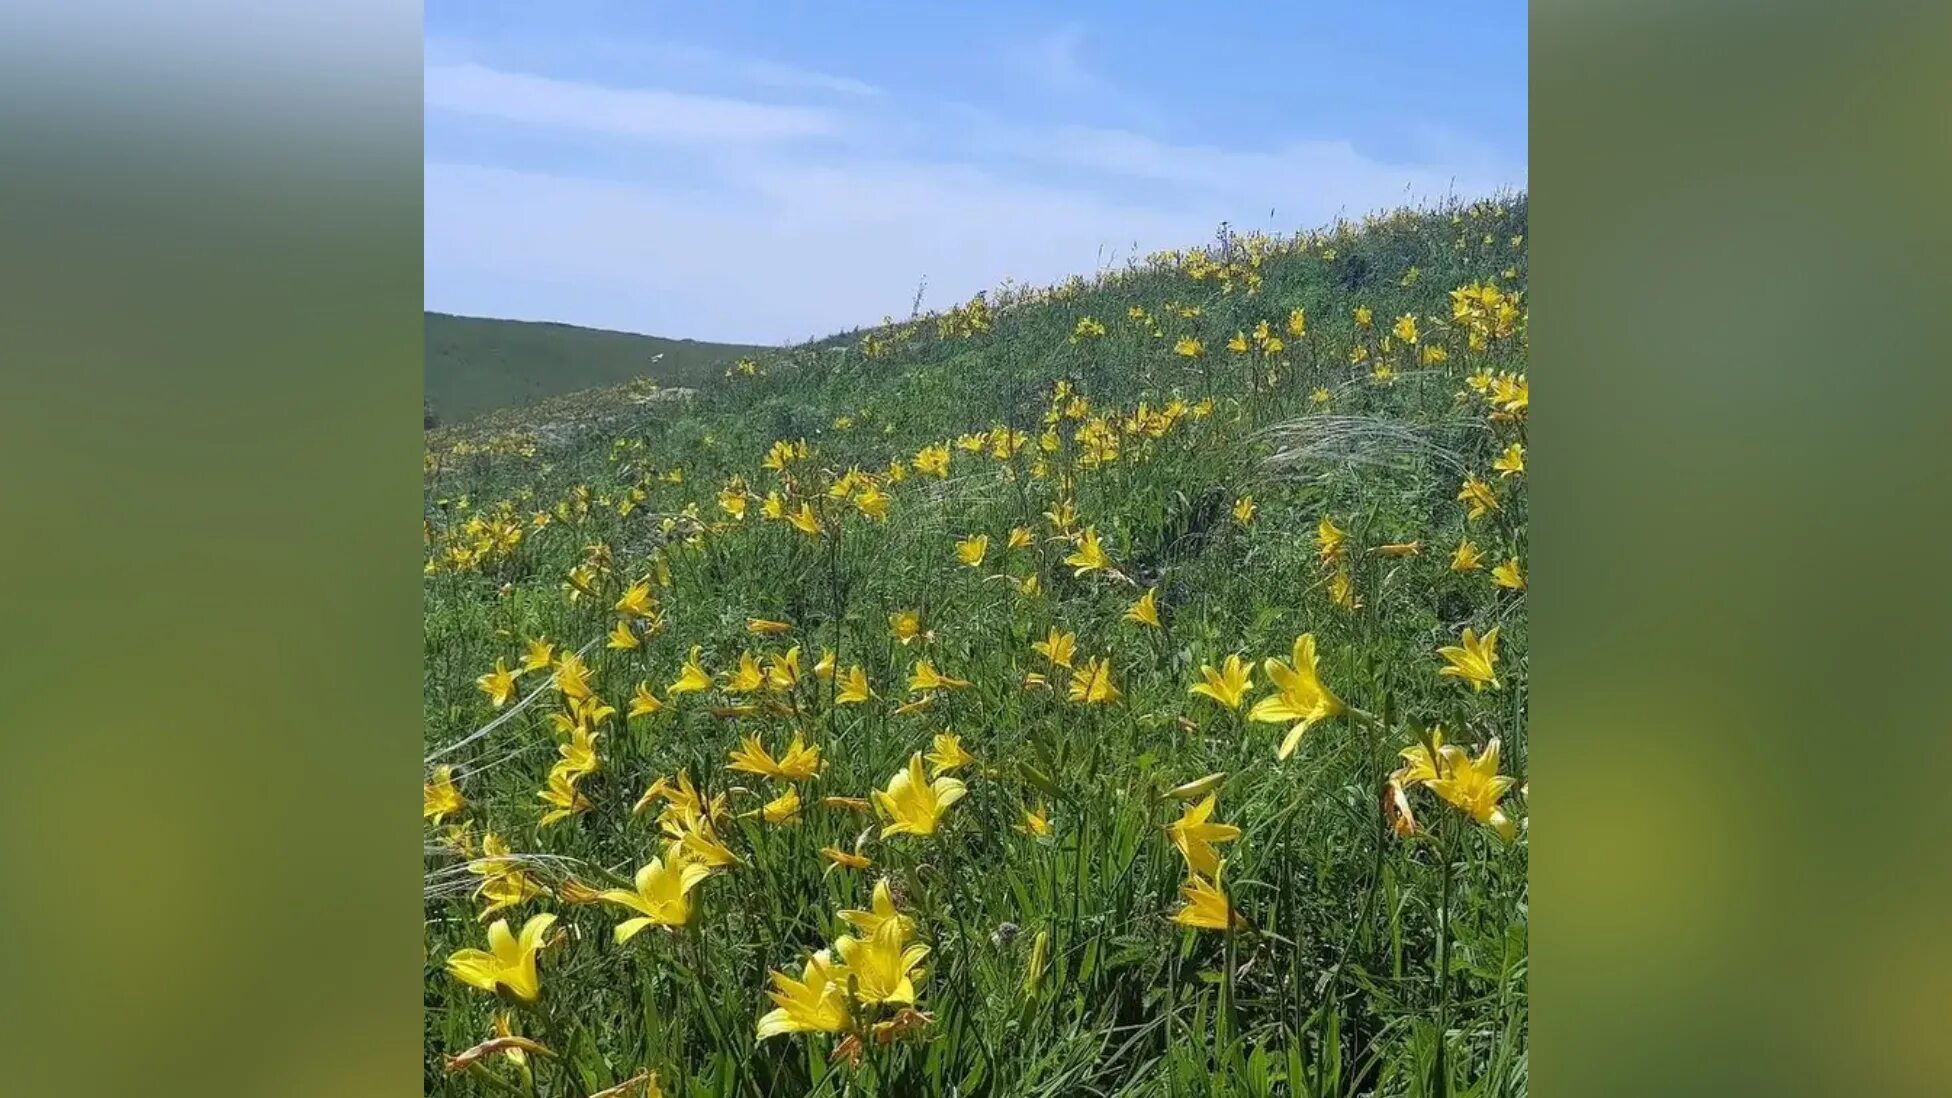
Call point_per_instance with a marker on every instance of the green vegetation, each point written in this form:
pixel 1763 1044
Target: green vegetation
pixel 1023 531
pixel 476 365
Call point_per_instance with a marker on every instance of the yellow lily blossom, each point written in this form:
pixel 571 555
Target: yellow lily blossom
pixel 805 521
pixel 692 678
pixel 906 625
pixel 884 966
pixel 1405 329
pixel 1193 835
pixel 562 796
pixel 1090 554
pixel 1036 822
pixel 636 602
pixel 662 896
pixel 1092 683
pixel 643 702
pixel 498 684
pixel 1146 610
pixel 815 1003
pixel 843 859
pixel 1473 661
pixel 440 798
pixel 933 461
pixel 1229 685
pixel 1342 590
pixel 1511 462
pixel 1206 906
pixel 1477 497
pixel 508 964
pixel 1059 647
pixel 824 668
pixel 1473 787
pixel 925 677
pixel 572 676
pixel 540 654
pixel 1244 509
pixel 853 687
pixel 1467 558
pixel 766 627
pixel 1400 549
pixel 783 672
pixel 1509 575
pixel 1328 540
pixel 948 753
pixel 798 763
pixel 1020 538
pixel 1300 696
pixel 748 678
pixel 971 550
pixel 880 911
pixel 913 804
pixel 784 808
pixel 623 638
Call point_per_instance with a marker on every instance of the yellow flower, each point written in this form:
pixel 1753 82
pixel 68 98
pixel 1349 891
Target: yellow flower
pixel 1227 686
pixel 1206 906
pixel 663 893
pixel 539 655
pixel 562 795
pixel 1036 822
pixel 1364 318
pixel 1418 764
pixel 692 679
pixel 623 638
pixel 1188 347
pixel 805 521
pixel 933 461
pixel 906 625
pixel 766 628
pixel 1301 697
pixel 1473 661
pixel 1477 497
pixel 1328 540
pixel 824 669
pixel 1342 590
pixel 814 1003
pixel 1511 461
pixel 1406 328
pixel 1320 397
pixel 948 753
pixel 1193 835
pixel 1092 683
pixel 884 966
pixel 1508 575
pixel 440 798
pixel 747 678
pixel 498 684
pixel 1474 786
pixel 1090 555
pixel 636 602
pixel 783 672
pixel 1244 509
pixel 971 550
pixel 872 502
pixel 572 677
pixel 579 754
pixel 1020 538
pixel 1467 558
pixel 784 808
pixel 842 858
pixel 1238 344
pixel 643 703
pixel 854 687
pixel 1146 610
pixel 508 964
pixel 880 911
pixel 1058 647
pixel 1298 323
pixel 926 677
pixel 1400 549
pixel 913 804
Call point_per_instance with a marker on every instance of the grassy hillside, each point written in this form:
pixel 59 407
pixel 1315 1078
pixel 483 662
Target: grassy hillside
pixel 476 365
pixel 1113 688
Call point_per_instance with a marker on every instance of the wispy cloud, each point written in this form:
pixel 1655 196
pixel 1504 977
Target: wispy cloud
pixel 1055 58
pixel 474 89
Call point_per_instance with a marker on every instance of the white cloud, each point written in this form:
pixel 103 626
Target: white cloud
pixel 1056 58
pixel 628 112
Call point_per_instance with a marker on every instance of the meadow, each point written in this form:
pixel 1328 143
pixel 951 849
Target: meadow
pixel 1116 687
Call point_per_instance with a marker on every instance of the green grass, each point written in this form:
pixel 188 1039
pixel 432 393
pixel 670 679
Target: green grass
pixel 1335 990
pixel 476 365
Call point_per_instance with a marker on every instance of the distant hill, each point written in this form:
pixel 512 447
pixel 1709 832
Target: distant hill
pixel 476 365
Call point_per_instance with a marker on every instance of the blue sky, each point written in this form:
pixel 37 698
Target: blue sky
pixel 771 172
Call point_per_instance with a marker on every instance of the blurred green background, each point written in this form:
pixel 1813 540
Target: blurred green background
pixel 211 583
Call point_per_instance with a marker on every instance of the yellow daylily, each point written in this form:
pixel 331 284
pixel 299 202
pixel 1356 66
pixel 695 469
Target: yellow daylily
pixel 1058 647
pixel 643 702
pixel 1512 461
pixel 1090 554
pixel 623 637
pixel 1509 575
pixel 884 966
pixel 636 602
pixel 853 687
pixel 784 808
pixel 1036 822
pixel 805 521
pixel 906 625
pixel 765 627
pixel 440 798
pixel 562 796
pixel 948 753
pixel 1473 787
pixel 798 763
pixel 1194 834
pixel 498 684
pixel 1206 906
pixel 1146 610
pixel 662 896
pixel 1228 685
pixel 971 550
pixel 1473 661
pixel 1477 498
pixel 1244 510
pixel 1198 787
pixel 1020 538
pixel 1328 540
pixel 879 912
pixel 508 965
pixel 539 654
pixel 815 1003
pixel 913 804
pixel 1300 696
pixel 1092 683
pixel 925 677
pixel 748 678
pixel 1467 558
pixel 692 678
